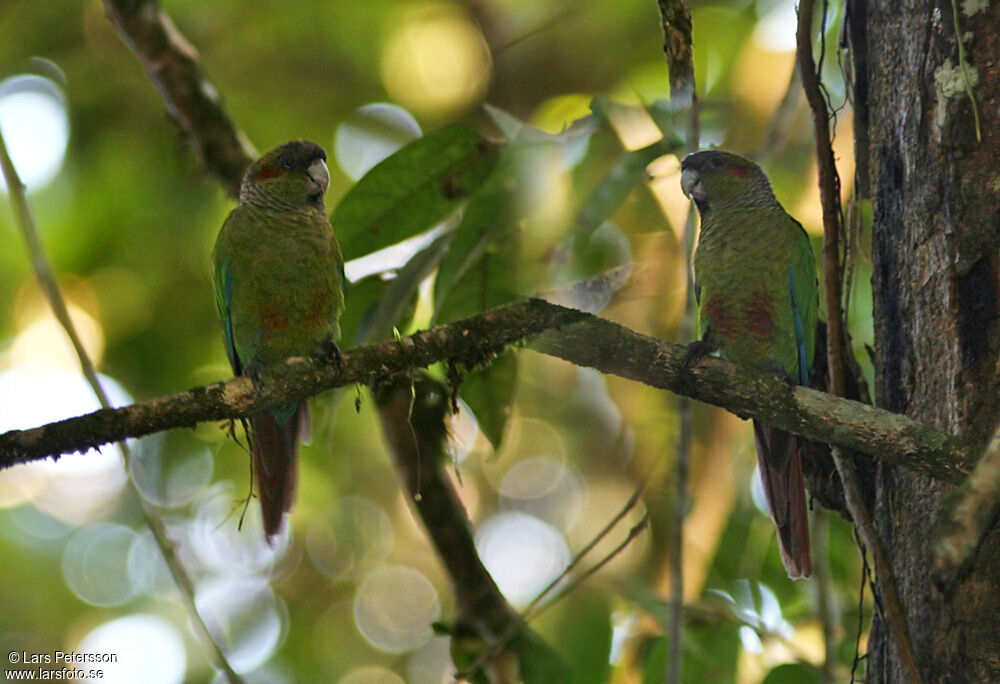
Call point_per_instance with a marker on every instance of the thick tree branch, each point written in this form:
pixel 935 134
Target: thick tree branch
pixel 470 342
pixel 577 337
pixel 173 66
pixel 413 410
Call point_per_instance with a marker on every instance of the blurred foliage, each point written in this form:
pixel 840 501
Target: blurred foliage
pixel 554 163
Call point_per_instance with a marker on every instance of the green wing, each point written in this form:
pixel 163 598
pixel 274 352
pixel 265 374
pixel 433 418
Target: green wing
pixel 223 278
pixel 804 291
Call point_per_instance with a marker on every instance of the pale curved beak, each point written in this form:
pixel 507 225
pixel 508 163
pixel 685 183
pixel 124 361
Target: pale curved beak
pixel 691 184
pixel 319 174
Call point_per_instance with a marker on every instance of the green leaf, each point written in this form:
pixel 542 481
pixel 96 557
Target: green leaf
pixel 398 296
pixel 489 392
pixel 580 629
pixel 483 222
pixel 487 284
pixel 413 189
pixel 615 186
pixel 711 652
pixel 654 666
pixel 606 248
pixel 793 673
pixel 360 299
pixel 540 663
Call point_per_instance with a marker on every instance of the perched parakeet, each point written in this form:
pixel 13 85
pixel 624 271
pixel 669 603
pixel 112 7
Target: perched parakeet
pixel 757 294
pixel 278 275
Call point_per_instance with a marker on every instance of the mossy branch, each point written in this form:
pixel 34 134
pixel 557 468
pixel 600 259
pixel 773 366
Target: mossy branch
pixel 581 339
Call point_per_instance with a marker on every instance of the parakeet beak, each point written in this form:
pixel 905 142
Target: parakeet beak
pixel 320 175
pixel 691 185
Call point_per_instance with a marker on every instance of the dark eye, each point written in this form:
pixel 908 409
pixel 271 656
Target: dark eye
pixel 716 162
pixel 286 163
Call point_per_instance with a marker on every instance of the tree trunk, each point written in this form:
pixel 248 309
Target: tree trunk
pixel 936 255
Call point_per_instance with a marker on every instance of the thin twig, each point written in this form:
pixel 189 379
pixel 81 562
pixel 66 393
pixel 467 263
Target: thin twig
pixel 892 606
pixel 633 533
pixel 825 598
pixel 865 578
pixel 529 610
pixel 533 610
pixel 675 16
pixel 963 66
pixel 682 458
pixel 829 185
pixel 47 282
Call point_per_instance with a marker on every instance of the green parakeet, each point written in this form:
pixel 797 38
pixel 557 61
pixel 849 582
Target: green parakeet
pixel 757 294
pixel 278 275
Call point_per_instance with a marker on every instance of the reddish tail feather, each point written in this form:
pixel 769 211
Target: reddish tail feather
pixel 275 447
pixel 780 463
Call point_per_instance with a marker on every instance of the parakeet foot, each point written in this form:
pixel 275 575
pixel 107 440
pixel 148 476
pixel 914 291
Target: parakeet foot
pixel 329 350
pixel 696 351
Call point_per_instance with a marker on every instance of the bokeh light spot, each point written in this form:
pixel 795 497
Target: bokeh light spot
pixel 148 649
pixel 371 674
pixel 243 615
pixel 352 536
pixel 436 60
pixel 147 571
pixel 77 487
pixel 95 564
pixel 170 477
pixel 522 553
pixel 221 545
pixel 432 663
pixel 370 134
pixel 776 28
pixel 546 488
pixel 33 527
pixel 35 127
pixel 394 608
pixel 42 343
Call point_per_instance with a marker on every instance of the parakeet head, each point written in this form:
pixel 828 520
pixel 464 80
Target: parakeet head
pixel 717 178
pixel 294 174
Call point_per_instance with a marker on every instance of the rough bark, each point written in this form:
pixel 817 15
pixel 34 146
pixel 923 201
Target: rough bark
pixel 936 253
pixel 574 336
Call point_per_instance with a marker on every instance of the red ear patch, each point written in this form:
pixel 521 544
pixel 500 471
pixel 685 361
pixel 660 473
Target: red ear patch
pixel 740 171
pixel 267 171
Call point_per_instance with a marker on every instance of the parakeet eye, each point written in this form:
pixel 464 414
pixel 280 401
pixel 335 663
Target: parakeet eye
pixel 286 163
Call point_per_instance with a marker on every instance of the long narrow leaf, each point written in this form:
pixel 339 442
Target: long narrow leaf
pixel 399 293
pixel 612 190
pixel 413 189
pixel 483 221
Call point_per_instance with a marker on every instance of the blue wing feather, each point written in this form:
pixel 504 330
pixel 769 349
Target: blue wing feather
pixel 800 338
pixel 224 295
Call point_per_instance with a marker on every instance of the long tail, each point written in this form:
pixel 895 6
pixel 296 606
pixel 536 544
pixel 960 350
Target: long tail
pixel 780 463
pixel 275 448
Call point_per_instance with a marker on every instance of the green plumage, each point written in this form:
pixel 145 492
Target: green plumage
pixel 278 275
pixel 755 283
